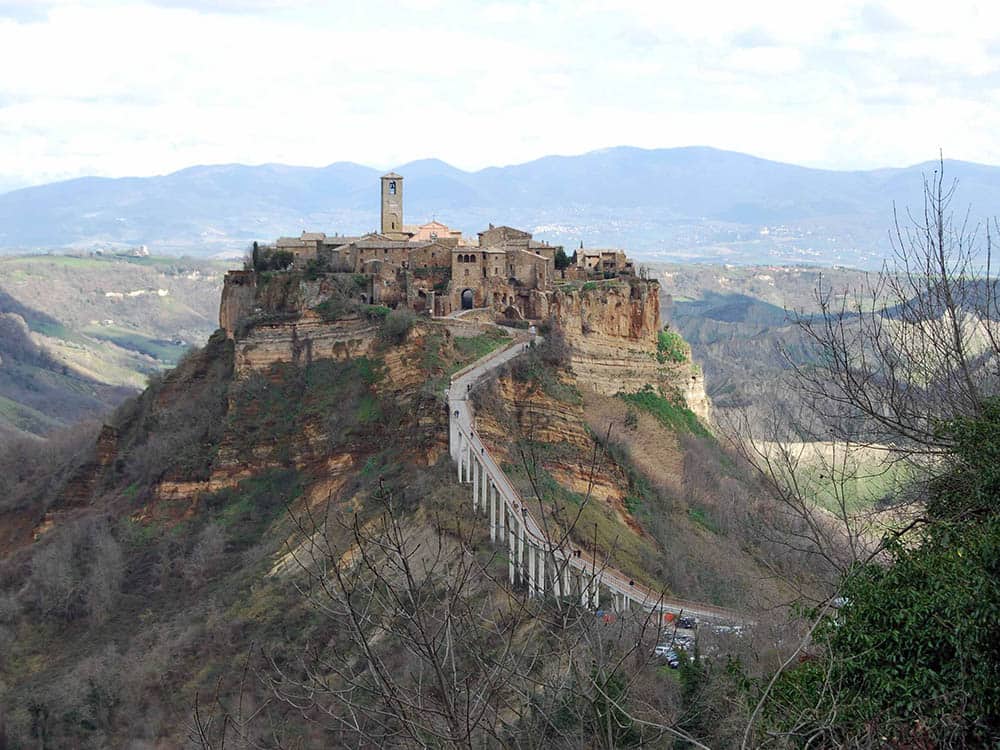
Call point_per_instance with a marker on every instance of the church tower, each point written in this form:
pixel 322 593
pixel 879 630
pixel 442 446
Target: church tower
pixel 392 204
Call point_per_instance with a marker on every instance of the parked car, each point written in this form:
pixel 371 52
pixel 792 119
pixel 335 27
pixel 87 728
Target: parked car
pixel 736 630
pixel 684 642
pixel 667 653
pixel 688 623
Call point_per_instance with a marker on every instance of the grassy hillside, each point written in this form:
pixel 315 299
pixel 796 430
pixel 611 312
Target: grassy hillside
pixel 95 328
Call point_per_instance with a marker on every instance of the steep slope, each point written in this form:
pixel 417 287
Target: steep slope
pixel 178 519
pixel 279 514
pixel 659 499
pixel 94 329
pixel 38 393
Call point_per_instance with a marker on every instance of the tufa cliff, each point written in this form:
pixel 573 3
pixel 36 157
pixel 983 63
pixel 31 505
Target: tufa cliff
pixel 613 331
pixel 613 328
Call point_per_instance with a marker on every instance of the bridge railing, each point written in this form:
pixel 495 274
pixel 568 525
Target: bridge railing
pixel 605 575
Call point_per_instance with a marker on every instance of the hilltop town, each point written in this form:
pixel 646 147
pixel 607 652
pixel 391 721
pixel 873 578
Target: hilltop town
pixel 432 268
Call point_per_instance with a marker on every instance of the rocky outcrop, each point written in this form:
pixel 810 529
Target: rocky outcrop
pixel 616 309
pixel 237 302
pixel 546 419
pixel 79 489
pixel 303 340
pixel 611 328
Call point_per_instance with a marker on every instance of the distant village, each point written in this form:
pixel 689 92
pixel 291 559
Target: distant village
pixel 434 269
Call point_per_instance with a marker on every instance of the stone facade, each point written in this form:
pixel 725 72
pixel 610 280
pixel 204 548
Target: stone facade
pixel 603 263
pixel 431 268
pixel 392 204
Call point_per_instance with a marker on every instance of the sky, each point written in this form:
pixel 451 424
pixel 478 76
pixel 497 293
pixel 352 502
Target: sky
pixel 122 87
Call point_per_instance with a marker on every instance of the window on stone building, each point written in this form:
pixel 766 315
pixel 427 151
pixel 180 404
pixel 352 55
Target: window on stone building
pixel 392 187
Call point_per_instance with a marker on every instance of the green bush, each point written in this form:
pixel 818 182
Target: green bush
pixel 562 260
pixel 316 267
pixel 377 312
pixel 272 260
pixel 631 418
pixel 912 658
pixel 335 308
pixel 670 347
pixel 397 323
pixel 674 415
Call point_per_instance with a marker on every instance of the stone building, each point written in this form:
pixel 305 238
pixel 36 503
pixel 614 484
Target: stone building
pixel 431 267
pixel 603 263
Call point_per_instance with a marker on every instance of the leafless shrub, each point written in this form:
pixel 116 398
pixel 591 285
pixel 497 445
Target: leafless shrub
pixel 206 555
pixel 33 470
pixel 77 573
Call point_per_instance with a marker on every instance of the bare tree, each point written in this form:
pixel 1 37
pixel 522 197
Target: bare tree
pixel 916 344
pixel 893 361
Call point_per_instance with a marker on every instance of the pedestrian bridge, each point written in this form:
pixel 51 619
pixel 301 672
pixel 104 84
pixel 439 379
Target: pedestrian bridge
pixel 540 558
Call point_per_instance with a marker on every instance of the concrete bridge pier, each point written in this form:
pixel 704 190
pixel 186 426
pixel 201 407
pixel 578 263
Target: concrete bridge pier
pixel 476 469
pixel 485 479
pixel 520 548
pixel 492 495
pixel 511 555
pixel 531 570
pixel 502 515
pixel 541 571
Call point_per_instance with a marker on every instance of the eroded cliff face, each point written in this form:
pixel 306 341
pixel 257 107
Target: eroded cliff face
pixel 611 328
pixel 303 340
pixel 237 301
pixel 566 450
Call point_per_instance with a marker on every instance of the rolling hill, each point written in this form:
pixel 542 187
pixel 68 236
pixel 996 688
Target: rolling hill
pixel 691 203
pixel 80 334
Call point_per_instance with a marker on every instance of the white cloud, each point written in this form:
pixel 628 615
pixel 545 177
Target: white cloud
pixel 118 87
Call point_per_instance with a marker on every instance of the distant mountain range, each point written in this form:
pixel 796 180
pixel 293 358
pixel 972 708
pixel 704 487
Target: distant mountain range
pixel 667 204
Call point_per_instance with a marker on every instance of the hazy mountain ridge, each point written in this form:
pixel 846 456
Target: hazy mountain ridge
pixel 676 204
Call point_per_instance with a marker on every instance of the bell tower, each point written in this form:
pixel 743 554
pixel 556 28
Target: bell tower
pixel 392 203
